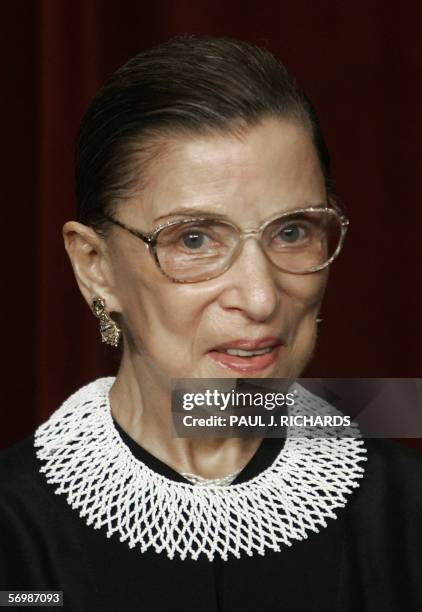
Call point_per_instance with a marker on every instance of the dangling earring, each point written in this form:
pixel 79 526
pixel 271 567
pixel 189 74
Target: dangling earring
pixel 319 324
pixel 110 332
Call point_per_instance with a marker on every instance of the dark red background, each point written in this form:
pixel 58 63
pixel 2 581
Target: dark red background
pixel 359 63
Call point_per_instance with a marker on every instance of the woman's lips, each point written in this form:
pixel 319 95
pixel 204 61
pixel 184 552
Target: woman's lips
pixel 246 364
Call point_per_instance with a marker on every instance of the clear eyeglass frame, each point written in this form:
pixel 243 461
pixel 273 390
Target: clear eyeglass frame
pixel 151 238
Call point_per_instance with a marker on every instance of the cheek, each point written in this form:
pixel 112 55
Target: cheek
pixel 161 315
pixel 159 318
pixel 305 292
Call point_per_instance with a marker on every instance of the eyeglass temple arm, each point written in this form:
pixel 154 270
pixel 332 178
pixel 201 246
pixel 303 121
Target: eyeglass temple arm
pixel 339 210
pixel 148 239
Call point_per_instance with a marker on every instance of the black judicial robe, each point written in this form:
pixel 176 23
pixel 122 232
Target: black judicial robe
pixel 369 559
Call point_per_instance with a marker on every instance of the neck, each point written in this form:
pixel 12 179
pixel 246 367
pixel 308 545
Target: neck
pixel 141 404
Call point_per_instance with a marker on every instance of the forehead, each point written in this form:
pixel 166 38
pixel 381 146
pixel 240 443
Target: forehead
pixel 268 168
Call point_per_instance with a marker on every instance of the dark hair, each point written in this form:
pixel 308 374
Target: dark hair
pixel 189 85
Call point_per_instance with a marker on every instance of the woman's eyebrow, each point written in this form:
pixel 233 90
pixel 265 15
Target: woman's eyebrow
pixel 189 211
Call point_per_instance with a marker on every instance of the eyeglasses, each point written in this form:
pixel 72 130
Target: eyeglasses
pixel 201 248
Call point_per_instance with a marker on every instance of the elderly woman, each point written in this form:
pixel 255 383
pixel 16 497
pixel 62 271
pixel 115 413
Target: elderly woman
pixel 207 224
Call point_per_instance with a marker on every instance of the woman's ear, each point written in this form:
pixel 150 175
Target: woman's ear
pixel 87 252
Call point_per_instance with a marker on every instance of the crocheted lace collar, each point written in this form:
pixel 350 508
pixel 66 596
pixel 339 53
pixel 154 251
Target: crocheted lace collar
pixel 83 454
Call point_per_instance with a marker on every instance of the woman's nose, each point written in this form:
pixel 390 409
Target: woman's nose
pixel 252 283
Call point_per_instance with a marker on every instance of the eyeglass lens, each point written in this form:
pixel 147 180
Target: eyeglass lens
pixel 297 243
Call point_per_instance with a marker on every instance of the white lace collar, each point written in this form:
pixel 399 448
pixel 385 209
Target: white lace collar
pixel 84 455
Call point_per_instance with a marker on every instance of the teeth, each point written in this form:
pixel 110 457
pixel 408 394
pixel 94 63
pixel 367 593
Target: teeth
pixel 242 353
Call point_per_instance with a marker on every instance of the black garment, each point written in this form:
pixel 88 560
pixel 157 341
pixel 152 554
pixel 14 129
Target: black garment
pixel 369 559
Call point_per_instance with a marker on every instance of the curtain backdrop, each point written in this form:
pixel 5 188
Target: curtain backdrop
pixel 359 63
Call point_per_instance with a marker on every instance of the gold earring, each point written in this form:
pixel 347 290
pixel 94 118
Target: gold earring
pixel 110 332
pixel 319 322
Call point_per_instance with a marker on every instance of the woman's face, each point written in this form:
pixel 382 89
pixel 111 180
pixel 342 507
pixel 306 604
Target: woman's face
pixel 175 330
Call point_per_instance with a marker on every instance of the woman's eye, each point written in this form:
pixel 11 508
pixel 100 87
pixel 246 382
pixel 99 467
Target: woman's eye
pixel 193 240
pixel 292 233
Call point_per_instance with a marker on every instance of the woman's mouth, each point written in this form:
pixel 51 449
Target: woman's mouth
pixel 247 356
